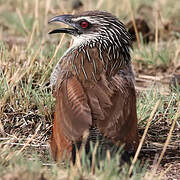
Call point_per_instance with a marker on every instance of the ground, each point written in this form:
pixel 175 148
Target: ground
pixel 27 57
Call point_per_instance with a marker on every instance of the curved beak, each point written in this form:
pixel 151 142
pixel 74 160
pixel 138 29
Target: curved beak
pixel 66 19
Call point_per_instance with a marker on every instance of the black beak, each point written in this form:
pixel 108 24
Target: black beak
pixel 66 19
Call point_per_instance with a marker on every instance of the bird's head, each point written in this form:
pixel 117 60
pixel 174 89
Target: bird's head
pixel 93 25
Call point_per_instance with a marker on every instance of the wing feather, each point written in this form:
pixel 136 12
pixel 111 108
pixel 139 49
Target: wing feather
pixel 71 102
pixel 113 105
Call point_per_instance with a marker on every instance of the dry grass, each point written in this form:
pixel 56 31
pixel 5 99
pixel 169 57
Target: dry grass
pixel 27 57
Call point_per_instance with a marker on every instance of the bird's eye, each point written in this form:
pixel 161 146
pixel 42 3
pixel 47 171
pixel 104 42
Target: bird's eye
pixel 84 24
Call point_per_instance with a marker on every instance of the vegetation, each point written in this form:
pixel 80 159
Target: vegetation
pixel 27 57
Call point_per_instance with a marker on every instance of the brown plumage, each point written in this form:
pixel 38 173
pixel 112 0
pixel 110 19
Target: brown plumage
pixel 93 85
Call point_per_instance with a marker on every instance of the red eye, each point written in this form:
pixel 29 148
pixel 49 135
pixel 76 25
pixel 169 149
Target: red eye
pixel 84 24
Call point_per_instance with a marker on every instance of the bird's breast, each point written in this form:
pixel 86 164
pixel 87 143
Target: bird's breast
pixel 88 63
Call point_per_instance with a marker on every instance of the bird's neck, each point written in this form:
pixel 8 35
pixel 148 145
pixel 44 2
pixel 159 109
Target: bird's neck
pixel 88 58
pixel 83 40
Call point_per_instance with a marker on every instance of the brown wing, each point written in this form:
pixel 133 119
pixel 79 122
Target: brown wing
pixel 72 116
pixel 113 105
pixel 75 112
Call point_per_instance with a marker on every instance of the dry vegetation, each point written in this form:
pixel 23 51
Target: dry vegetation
pixel 27 57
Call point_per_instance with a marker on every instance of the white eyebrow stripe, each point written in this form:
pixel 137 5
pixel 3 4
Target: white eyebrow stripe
pixel 91 20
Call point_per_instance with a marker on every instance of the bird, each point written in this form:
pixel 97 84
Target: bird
pixel 93 86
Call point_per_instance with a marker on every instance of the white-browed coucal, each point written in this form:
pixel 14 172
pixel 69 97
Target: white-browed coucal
pixel 94 85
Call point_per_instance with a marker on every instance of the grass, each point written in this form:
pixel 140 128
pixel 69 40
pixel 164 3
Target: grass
pixel 28 55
